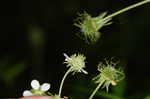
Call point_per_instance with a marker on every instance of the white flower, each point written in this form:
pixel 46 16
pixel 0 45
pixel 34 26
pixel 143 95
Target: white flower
pixel 76 63
pixel 37 89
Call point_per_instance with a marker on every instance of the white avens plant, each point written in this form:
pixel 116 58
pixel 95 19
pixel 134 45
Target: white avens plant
pixel 90 28
pixel 37 89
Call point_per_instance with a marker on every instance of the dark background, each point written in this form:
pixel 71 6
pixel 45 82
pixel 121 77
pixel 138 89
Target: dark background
pixel 35 33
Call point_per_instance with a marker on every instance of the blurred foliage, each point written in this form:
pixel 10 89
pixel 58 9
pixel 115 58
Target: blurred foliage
pixel 147 97
pixel 119 90
pixel 9 72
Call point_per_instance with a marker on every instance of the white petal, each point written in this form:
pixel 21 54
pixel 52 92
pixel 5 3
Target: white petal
pixel 27 93
pixel 35 84
pixel 67 57
pixel 85 72
pixel 45 87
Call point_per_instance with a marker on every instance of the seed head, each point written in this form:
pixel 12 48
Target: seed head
pixel 108 75
pixel 76 62
pixel 90 26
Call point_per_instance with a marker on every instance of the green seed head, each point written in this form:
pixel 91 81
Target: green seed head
pixel 108 75
pixel 90 26
pixel 76 62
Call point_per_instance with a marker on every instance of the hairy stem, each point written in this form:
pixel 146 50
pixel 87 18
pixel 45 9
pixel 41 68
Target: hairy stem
pixel 62 82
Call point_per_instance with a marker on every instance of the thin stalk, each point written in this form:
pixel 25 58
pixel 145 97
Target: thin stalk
pixel 126 9
pixel 62 81
pixel 96 89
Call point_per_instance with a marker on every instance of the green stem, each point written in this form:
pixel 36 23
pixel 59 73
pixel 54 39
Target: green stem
pixel 62 82
pixel 126 9
pixel 96 89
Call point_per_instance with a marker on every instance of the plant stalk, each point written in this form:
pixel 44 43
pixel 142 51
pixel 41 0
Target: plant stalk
pixel 62 81
pixel 126 9
pixel 96 89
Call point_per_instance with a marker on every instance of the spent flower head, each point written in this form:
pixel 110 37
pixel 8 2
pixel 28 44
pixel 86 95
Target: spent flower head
pixel 108 75
pixel 37 89
pixel 90 26
pixel 76 62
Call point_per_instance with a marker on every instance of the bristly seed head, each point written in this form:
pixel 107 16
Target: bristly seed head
pixel 76 62
pixel 90 26
pixel 108 75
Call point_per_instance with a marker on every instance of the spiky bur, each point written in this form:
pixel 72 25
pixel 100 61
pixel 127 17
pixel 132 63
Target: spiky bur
pixel 90 26
pixel 108 75
pixel 76 63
